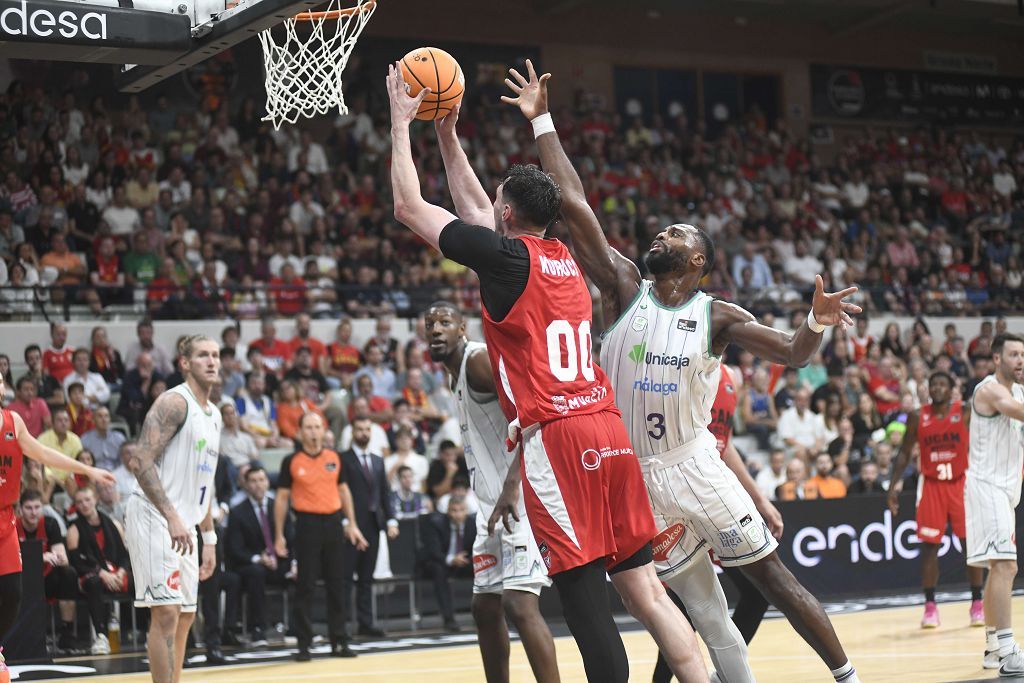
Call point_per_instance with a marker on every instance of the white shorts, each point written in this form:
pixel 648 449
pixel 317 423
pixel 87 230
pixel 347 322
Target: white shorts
pixel 162 576
pixel 699 504
pixel 507 561
pixel 991 523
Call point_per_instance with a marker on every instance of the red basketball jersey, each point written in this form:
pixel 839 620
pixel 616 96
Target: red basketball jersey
pixel 541 351
pixel 723 409
pixel 10 462
pixel 943 443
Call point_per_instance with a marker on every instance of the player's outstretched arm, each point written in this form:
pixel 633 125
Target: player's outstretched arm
pixel 902 460
pixel 411 210
pixel 731 324
pixel 54 458
pixel 162 422
pixel 612 272
pixel 471 200
pixel 995 398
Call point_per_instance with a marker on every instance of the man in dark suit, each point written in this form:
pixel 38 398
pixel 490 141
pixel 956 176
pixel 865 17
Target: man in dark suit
pixel 447 552
pixel 371 496
pixel 250 548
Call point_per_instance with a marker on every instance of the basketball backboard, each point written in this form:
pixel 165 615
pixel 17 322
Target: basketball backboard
pixel 150 39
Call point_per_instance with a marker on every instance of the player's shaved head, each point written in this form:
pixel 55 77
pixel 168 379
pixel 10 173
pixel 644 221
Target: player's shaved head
pixel 446 307
pixel 446 331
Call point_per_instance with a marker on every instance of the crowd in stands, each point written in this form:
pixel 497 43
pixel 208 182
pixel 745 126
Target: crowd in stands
pixel 194 212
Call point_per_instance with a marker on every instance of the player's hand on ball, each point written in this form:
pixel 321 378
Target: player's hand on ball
pixel 209 562
pixel 403 107
pixel 445 126
pixel 531 95
pixel 830 309
pixel 181 539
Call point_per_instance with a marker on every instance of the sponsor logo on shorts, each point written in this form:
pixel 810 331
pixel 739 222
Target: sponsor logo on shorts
pixel 646 386
pixel 686 325
pixel 591 458
pixel 174 581
pixel 928 532
pixel 747 519
pixel 9 436
pixel 730 538
pixel 755 535
pixel 522 560
pixel 545 553
pixel 483 563
pixel 666 540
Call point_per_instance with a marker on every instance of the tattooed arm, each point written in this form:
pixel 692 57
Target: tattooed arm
pixel 163 421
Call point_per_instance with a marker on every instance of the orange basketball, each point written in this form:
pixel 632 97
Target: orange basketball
pixel 431 67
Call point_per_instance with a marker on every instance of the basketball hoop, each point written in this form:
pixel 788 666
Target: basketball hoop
pixel 303 74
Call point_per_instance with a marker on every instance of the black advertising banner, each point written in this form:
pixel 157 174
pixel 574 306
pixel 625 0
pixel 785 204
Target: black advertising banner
pixel 855 546
pixel 856 93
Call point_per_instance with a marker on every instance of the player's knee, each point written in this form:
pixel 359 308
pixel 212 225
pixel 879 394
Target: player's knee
pixel 164 620
pixel 519 606
pixel 1004 568
pixel 486 610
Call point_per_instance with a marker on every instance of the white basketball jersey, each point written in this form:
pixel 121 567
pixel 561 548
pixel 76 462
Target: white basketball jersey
pixel 187 467
pixel 484 430
pixel 997 451
pixel 663 373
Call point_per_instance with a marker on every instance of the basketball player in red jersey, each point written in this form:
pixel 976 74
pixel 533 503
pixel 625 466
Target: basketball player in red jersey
pixel 940 432
pixel 15 443
pixel 751 606
pixel 581 481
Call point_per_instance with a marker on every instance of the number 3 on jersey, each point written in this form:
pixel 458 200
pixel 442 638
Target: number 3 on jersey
pixel 657 429
pixel 566 365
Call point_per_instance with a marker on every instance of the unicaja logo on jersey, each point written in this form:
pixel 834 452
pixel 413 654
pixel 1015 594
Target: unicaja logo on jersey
pixel 640 352
pixel 201 445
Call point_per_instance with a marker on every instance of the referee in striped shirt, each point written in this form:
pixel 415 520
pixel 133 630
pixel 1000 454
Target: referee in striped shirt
pixel 314 482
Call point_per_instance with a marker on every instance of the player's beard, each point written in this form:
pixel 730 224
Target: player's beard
pixel 664 261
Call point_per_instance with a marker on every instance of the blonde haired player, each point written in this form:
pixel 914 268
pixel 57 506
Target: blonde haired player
pixel 174 464
pixel 992 492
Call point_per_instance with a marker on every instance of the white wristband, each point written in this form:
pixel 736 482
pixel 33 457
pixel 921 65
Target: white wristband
pixel 815 326
pixel 542 124
pixel 210 537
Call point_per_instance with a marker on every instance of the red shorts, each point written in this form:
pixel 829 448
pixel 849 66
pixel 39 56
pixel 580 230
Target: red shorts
pixel 938 502
pixel 10 548
pixel 584 492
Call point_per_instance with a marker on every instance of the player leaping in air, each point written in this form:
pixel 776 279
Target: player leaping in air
pixel 581 480
pixel 662 355
pixel 940 431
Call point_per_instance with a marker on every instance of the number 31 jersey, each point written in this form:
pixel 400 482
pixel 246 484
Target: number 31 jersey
pixel 943 443
pixel 541 352
pixel 663 372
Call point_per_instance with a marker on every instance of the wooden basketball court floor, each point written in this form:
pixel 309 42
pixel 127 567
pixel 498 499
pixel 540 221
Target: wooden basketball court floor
pixel 884 645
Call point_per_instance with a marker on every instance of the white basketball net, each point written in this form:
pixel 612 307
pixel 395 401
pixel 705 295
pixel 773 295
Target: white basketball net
pixel 303 74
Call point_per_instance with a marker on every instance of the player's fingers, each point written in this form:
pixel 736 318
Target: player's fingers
pixel 545 78
pixel 852 308
pixel 519 77
pixel 530 70
pixel 845 293
pixel 510 100
pixel 505 522
pixel 512 86
pixel 422 94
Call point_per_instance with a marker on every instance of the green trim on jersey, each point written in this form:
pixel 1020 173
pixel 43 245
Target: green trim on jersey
pixel 654 300
pixel 625 309
pixel 707 318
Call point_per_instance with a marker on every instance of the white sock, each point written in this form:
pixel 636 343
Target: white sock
pixel 991 642
pixel 846 673
pixel 1006 641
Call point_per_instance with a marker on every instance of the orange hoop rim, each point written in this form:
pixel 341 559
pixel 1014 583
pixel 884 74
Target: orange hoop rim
pixel 334 14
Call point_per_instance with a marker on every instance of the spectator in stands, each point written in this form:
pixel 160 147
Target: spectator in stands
pixel 404 456
pixel 33 410
pixel 82 418
pixel 770 478
pixel 371 497
pixel 105 359
pixel 342 359
pixel 786 390
pixel 867 483
pixel 142 262
pixel 97 391
pixel 276 353
pixel 59 579
pixel 235 444
pixel 271 381
pixel 448 552
pixel 104 442
pixel 304 338
pixel 460 489
pixel 97 552
pixel 250 548
pixel 70 269
pixel 57 360
pixel 145 343
pixel 758 409
pixel 793 488
pixel 359 409
pixel 291 406
pixel 135 390
pixel 801 430
pixel 288 291
pixel 60 437
pixel 380 409
pixel 824 480
pixel 258 414
pixel 391 355
pixel 420 405
pixel 383 377
pixel 449 464
pixel 125 478
pixel 232 377
pixel 408 501
pixel 122 217
pixel 311 383
pixel 106 276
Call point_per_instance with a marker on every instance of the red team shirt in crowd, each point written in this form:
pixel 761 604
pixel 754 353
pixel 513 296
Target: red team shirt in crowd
pixel 723 409
pixel 10 488
pixel 57 362
pixel 276 354
pixel 943 444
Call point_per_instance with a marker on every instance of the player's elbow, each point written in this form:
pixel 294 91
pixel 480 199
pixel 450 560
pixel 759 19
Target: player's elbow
pixel 403 212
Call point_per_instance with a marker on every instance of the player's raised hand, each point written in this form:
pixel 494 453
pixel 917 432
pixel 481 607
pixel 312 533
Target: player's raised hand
pixel 403 107
pixel 829 308
pixel 531 94
pixel 445 126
